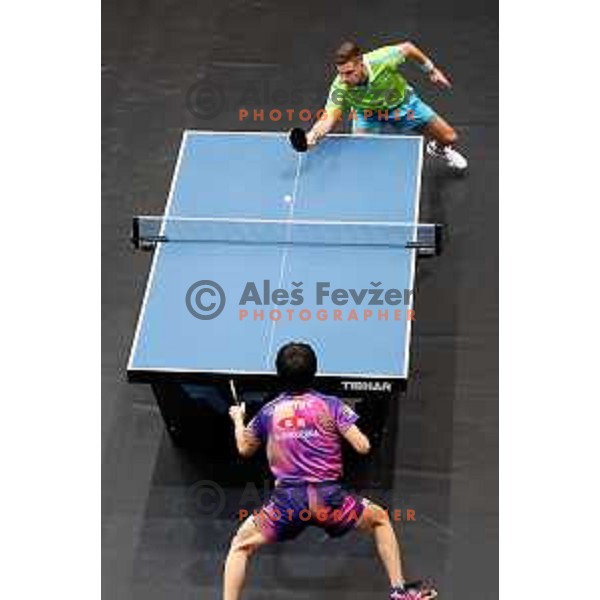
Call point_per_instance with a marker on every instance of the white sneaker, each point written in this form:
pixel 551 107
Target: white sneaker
pixel 454 159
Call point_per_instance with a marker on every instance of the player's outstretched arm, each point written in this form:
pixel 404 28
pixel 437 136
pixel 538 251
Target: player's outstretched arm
pixel 409 50
pixel 357 439
pixel 321 128
pixel 247 444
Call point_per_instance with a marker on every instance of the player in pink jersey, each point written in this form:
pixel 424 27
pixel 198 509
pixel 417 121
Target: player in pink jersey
pixel 303 431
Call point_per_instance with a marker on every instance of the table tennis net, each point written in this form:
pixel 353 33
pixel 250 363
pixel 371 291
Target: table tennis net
pixel 150 230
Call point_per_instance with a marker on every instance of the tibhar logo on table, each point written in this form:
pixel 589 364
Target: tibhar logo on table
pixel 367 386
pixel 206 299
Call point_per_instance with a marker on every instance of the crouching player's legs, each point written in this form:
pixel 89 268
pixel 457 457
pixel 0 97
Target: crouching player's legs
pixel 443 138
pixel 416 115
pixel 246 541
pixel 279 520
pixel 439 130
pixel 376 522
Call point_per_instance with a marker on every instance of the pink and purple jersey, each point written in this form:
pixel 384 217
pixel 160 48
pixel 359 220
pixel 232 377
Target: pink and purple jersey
pixel 303 435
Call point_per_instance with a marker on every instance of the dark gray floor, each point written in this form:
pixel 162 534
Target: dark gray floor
pixel 158 540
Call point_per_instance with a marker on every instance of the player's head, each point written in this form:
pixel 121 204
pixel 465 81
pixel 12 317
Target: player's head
pixel 348 60
pixel 296 366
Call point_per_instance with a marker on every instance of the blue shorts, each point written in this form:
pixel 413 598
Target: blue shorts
pixel 412 115
pixel 293 507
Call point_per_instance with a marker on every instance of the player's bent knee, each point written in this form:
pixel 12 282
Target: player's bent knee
pixel 244 544
pixel 247 539
pixel 374 516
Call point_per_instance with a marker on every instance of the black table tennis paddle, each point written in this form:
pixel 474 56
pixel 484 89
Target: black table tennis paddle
pixel 298 139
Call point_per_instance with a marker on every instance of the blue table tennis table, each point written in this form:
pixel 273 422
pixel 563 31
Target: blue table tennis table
pixel 256 183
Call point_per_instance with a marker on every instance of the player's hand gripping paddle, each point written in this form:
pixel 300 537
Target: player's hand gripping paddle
pixel 298 139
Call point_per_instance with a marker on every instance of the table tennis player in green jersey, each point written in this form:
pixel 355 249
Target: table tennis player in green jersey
pixel 372 92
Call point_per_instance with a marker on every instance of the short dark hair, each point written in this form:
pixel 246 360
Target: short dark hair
pixel 296 366
pixel 346 52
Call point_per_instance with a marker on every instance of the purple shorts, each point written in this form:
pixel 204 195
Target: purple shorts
pixel 293 507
